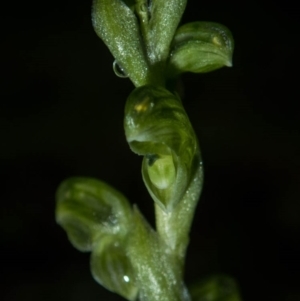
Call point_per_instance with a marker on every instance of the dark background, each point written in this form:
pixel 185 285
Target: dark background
pixel 61 111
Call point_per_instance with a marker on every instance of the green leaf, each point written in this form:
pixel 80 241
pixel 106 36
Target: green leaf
pixel 88 209
pixel 111 267
pixel 215 288
pixel 116 24
pixel 200 47
pixel 157 127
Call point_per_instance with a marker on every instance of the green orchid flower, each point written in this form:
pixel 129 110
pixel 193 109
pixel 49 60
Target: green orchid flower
pixel 157 127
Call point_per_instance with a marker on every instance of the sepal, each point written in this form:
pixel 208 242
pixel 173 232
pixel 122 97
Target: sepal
pixel 88 209
pixel 200 47
pixel 111 267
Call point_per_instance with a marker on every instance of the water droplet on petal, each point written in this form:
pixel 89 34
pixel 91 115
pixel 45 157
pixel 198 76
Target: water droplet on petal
pixel 119 71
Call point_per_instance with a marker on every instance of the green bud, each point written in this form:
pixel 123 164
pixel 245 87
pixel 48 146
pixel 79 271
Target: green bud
pixel 216 288
pixel 164 17
pixel 116 24
pixel 157 127
pixel 200 47
pixel 111 267
pixel 88 209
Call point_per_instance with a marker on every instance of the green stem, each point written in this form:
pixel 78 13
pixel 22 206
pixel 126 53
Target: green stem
pixel 173 227
pixel 159 276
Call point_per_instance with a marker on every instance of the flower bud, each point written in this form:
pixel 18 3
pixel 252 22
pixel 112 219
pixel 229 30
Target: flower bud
pixel 157 127
pixel 89 209
pixel 200 47
pixel 111 267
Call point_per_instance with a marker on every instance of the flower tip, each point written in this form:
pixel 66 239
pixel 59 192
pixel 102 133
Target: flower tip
pixel 228 63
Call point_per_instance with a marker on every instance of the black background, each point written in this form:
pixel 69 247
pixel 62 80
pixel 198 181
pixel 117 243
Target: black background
pixel 61 111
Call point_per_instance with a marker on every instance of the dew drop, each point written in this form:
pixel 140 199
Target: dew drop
pixel 126 278
pixel 119 71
